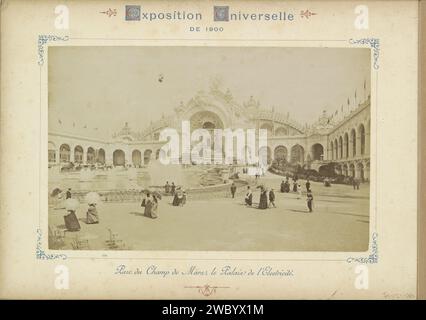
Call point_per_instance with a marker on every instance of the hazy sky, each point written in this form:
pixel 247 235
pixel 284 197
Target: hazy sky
pixel 104 87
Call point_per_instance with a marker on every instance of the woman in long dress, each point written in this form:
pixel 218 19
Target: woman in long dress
pixel 249 197
pixel 287 186
pixel 263 201
pixel 282 189
pixel 154 207
pixel 176 200
pixel 71 221
pixel 183 200
pixel 147 203
pixel 299 191
pixel 294 185
pixel 92 214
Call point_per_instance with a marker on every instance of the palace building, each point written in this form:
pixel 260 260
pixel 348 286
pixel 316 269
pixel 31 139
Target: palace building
pixel 338 138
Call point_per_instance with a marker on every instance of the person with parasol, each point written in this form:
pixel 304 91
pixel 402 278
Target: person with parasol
pixel 92 214
pixel 155 197
pixel 177 198
pixel 55 196
pixel 150 203
pixel 147 203
pixel 71 221
pixel 183 200
pixel 92 199
pixel 56 192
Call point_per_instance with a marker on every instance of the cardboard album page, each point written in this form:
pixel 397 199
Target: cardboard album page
pixel 209 149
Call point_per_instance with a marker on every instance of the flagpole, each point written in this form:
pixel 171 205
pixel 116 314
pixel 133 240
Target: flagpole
pixel 365 87
pixel 349 107
pixel 355 100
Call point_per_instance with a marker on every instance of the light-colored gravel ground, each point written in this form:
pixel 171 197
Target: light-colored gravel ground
pixel 340 222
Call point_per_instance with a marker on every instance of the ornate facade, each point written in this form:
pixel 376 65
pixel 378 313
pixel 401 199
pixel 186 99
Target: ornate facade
pixel 345 141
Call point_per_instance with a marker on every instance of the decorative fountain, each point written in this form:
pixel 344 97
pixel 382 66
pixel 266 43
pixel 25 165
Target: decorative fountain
pixel 159 173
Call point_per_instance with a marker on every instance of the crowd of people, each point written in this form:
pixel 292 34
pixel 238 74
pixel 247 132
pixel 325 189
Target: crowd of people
pixel 71 221
pixel 178 194
pixel 267 197
pixel 151 199
pixel 150 204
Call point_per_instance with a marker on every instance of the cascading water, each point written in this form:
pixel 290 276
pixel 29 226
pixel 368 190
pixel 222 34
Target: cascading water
pixel 160 173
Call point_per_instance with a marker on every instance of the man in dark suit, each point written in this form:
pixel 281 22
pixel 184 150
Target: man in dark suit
pixel 308 185
pixel 233 189
pixel 272 198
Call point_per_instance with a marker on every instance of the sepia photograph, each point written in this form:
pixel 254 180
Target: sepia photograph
pixel 209 148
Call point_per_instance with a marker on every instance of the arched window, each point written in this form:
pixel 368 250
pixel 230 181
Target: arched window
pixel 147 156
pixel 118 158
pixel 65 153
pixel 346 143
pixel 345 170
pixel 336 149
pixel 280 153
pixel 208 125
pixel 352 170
pixel 78 154
pixel 136 158
pixel 297 154
pixel 265 155
pixel 353 141
pixel 361 131
pixel 51 156
pixel 360 169
pixel 101 156
pixel 268 127
pixel 91 155
pixel 281 131
pixel 317 151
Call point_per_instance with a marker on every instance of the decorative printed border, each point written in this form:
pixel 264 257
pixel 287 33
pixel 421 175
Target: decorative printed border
pixel 374 255
pixel 206 290
pixel 110 12
pixel 43 40
pixel 374 43
pixel 373 258
pixel 307 13
pixel 41 255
